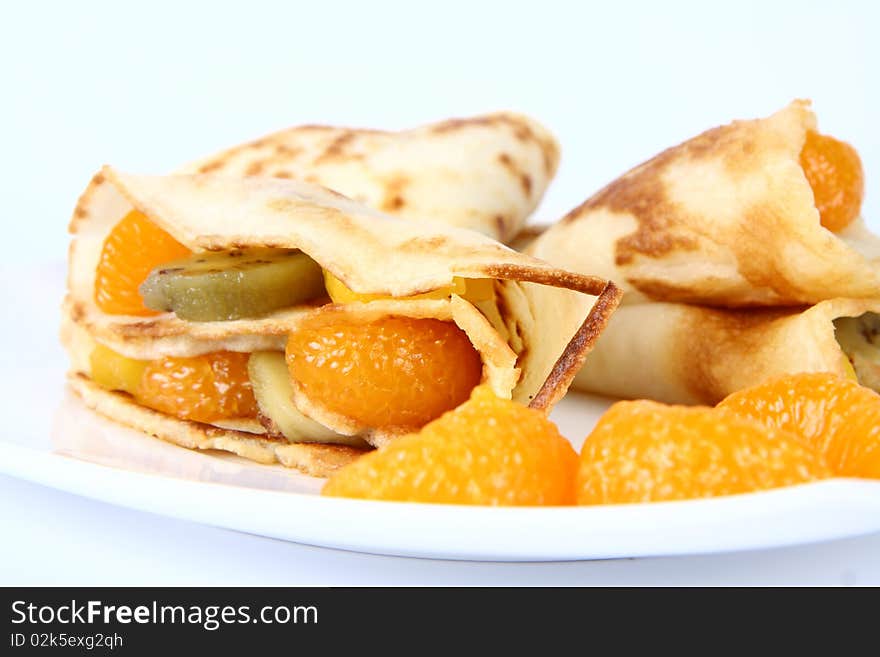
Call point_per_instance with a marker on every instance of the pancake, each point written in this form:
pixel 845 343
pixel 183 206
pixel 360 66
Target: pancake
pixel 532 332
pixel 487 173
pixel 726 219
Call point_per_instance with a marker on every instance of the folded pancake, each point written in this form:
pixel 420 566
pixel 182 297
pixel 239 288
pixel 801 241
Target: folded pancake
pixel 755 213
pixel 487 173
pixel 176 323
pixel 686 354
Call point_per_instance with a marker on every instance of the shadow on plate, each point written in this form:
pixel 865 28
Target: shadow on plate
pixel 79 433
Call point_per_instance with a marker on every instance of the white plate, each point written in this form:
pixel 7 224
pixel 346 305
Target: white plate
pixel 53 440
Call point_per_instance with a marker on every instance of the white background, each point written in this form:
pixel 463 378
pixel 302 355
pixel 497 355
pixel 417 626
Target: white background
pixel 148 86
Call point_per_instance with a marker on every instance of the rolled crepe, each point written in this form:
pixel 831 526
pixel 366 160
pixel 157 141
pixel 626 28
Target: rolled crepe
pixel 725 219
pixel 532 334
pixel 487 173
pixel 685 354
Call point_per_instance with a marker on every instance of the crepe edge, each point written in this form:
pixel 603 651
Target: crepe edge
pixel 313 459
pixel 575 354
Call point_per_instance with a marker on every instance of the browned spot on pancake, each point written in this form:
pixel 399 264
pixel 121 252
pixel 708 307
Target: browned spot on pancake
pixel 216 432
pixel 501 226
pixel 720 343
pixel 214 165
pixel 338 148
pixel 311 178
pixel 314 127
pixel 550 153
pixel 641 192
pixel 289 151
pixel 148 329
pixel 515 170
pixel 340 219
pixel 394 203
pixel 84 201
pixel 77 312
pixel 433 243
pixel 255 168
pixel 394 198
pixel 524 133
pixel 286 204
pixel 145 325
pixel 764 267
pixel 452 125
pixel 282 174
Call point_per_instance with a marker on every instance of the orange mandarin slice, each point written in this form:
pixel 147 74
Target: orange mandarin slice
pixel 487 451
pixel 203 388
pixel 134 247
pixel 840 418
pixel 392 372
pixel 643 451
pixel 834 171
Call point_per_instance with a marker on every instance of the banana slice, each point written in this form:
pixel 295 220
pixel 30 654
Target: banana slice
pixel 233 284
pixel 274 393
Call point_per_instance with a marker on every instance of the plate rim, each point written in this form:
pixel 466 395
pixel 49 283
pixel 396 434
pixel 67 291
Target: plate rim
pixel 849 503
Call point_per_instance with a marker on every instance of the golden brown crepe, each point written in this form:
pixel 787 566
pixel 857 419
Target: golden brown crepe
pixel 532 336
pixel 685 354
pixel 724 219
pixel 487 173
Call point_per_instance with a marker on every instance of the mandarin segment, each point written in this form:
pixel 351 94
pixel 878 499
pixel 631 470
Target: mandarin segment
pixel 203 388
pixel 488 451
pixel 392 372
pixel 834 170
pixel 644 451
pixel 130 252
pixel 840 418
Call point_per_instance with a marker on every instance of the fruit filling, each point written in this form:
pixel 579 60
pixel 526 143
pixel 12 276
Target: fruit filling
pixel 203 388
pixel 115 371
pixel 391 372
pixel 228 285
pixel 834 170
pixel 472 289
pixel 132 249
pixel 859 337
pixel 274 393
pixel 143 270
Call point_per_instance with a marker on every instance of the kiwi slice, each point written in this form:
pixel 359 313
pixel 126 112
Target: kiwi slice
pixel 224 285
pixel 274 393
